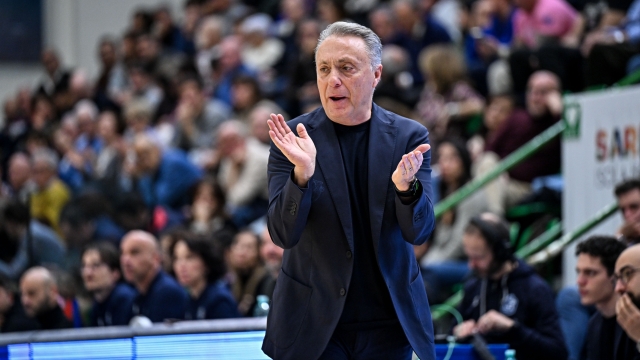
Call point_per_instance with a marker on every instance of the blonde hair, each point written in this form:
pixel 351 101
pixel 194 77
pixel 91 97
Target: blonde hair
pixel 443 66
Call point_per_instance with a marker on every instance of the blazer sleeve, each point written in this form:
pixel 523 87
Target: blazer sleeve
pixel 289 205
pixel 417 219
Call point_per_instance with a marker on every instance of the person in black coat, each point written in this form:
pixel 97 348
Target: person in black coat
pixel 199 268
pixel 506 301
pixel 39 294
pixel 101 276
pixel 12 315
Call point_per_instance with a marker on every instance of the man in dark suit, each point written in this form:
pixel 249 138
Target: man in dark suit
pixel 349 197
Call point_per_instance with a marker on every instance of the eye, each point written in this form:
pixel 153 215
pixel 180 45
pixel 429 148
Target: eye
pixel 347 68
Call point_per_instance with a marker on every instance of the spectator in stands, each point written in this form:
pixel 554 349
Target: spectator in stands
pixel 165 175
pixel 141 87
pixel 199 268
pixel 260 51
pixel 112 299
pixel 227 67
pixel 243 172
pixel 396 91
pixel 51 193
pixel 443 265
pixel 543 109
pixel 610 49
pixel 595 266
pixel 37 245
pixel 506 301
pixel 55 84
pixel 112 80
pixel 12 315
pixel 197 118
pixel 303 93
pixel 208 209
pixel 39 295
pixel 628 306
pixel 108 164
pixel 628 196
pixel 251 278
pixel 447 102
pixel 209 34
pixel 270 253
pixel 19 175
pixel 159 296
pixel 546 37
pixel 259 129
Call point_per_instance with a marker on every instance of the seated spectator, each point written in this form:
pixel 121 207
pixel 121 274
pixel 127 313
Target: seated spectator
pixel 19 176
pixel 302 94
pixel 112 80
pixel 259 128
pixel 208 209
pixel 543 109
pixel 609 50
pixel 158 297
pixel 628 306
pixel 506 301
pixel 12 315
pixel 443 265
pixel 51 194
pixel 39 295
pixel 447 101
pixel 596 261
pixel 260 51
pixel 165 175
pixel 242 172
pixel 199 269
pixel 396 91
pixel 209 34
pixel 197 118
pixel 628 196
pixel 141 87
pixel 270 253
pixel 227 67
pixel 112 299
pixel 250 277
pixel 109 160
pixel 39 245
pixel 56 83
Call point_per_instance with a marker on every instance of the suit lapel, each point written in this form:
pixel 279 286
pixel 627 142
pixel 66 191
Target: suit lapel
pixel 329 160
pixel 382 143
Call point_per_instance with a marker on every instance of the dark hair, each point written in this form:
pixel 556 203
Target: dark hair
pixel 496 234
pixel 16 212
pixel 218 194
pixel 7 284
pixel 189 77
pixel 206 250
pixel 606 248
pixel 626 186
pixel 108 253
pixel 251 82
pixel 465 158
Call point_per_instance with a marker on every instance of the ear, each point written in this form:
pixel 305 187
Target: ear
pixel 377 73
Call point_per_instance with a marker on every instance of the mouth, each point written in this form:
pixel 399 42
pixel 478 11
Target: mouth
pixel 337 98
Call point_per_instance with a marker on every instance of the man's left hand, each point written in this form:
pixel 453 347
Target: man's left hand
pixel 494 321
pixel 628 317
pixel 408 167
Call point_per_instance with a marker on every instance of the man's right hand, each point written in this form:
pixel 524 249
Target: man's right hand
pixel 465 329
pixel 300 150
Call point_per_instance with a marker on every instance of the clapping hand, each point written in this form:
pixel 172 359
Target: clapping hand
pixel 408 167
pixel 300 150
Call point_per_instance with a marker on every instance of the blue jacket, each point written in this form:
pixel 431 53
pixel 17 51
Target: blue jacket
pixel 314 226
pixel 171 182
pixel 528 300
pixel 215 302
pixel 165 299
pixel 114 310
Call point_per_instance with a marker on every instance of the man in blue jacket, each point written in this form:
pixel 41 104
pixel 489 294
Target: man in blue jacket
pixel 349 197
pixel 506 301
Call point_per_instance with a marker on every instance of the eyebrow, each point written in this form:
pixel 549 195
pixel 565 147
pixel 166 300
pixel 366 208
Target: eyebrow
pixel 340 61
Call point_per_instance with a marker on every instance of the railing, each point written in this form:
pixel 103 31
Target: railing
pixel 510 161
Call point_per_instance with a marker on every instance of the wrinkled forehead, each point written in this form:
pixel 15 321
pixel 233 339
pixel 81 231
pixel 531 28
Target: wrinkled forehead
pixel 342 48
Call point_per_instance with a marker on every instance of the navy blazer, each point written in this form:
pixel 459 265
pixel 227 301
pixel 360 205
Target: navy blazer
pixel 315 228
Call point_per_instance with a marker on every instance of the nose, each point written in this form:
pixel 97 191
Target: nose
pixel 620 287
pixel 581 280
pixel 334 78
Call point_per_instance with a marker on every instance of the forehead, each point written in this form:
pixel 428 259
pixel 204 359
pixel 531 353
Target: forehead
pixel 90 255
pixel 136 243
pixel 630 197
pixel 337 48
pixel 627 259
pixel 473 241
pixel 588 261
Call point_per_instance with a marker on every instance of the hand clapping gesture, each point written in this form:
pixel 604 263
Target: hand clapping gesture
pixel 300 150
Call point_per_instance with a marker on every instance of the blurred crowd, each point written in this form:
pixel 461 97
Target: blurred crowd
pixel 144 191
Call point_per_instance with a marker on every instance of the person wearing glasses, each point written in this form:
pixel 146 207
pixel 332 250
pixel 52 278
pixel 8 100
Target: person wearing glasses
pixel 112 299
pixel 596 286
pixel 628 306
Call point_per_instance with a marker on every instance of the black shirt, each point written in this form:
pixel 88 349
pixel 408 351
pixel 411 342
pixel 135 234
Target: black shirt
pixel 16 320
pixel 368 304
pixel 53 319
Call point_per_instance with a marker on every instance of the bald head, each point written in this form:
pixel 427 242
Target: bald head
pixel 627 268
pixel 38 291
pixel 140 258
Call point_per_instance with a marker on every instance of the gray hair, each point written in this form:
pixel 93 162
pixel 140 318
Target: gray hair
pixel 47 156
pixel 371 40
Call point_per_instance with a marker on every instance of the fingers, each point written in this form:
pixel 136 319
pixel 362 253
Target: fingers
pixel 302 131
pixel 423 148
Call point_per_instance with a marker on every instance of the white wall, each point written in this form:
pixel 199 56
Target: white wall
pixel 73 27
